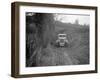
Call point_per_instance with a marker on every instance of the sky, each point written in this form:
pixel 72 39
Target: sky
pixel 67 18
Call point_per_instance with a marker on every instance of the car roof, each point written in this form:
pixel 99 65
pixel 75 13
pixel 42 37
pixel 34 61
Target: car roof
pixel 61 34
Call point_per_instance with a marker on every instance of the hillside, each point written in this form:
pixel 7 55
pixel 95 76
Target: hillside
pixel 78 36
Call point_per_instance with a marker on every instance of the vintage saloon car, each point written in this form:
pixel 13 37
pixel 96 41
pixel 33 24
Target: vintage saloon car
pixel 62 40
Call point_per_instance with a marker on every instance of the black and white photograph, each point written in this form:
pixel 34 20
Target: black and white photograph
pixel 54 39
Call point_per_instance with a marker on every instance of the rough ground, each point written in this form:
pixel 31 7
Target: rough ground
pixel 56 56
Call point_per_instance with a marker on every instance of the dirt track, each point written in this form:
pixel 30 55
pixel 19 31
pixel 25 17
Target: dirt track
pixel 56 56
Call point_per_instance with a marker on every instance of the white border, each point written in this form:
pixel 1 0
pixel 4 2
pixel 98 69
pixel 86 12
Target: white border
pixel 52 69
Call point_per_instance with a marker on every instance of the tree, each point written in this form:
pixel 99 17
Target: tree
pixel 41 26
pixel 76 21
